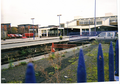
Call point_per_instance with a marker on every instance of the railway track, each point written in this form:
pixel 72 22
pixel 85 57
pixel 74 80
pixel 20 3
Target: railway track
pixel 16 54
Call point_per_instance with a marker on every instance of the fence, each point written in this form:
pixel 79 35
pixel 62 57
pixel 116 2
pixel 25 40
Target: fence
pixel 81 70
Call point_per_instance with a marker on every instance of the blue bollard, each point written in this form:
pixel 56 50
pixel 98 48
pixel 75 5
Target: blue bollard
pixel 30 74
pixel 117 59
pixel 100 64
pixel 111 63
pixel 81 70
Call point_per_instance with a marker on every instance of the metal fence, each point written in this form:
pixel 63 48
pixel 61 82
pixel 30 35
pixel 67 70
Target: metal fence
pixel 81 70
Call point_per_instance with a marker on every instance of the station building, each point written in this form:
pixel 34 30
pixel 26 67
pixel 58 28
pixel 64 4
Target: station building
pixel 5 27
pixel 108 22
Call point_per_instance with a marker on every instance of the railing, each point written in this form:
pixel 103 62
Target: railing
pixel 81 70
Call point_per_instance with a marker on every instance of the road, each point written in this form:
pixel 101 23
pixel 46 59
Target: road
pixel 30 43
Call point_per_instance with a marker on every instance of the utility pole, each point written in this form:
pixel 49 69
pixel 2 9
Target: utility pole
pixel 33 28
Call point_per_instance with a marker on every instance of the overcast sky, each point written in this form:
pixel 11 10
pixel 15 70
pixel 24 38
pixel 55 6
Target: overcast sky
pixel 45 11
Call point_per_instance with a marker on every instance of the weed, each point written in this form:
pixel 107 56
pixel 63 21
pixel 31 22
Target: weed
pixel 78 48
pixel 105 54
pixel 43 58
pixel 10 62
pixel 23 63
pixel 65 51
pixel 69 79
pixel 63 55
pixel 51 73
pixel 56 66
pixel 70 61
pixel 15 82
pixel 74 62
pixel 52 56
pixel 36 74
pixel 4 69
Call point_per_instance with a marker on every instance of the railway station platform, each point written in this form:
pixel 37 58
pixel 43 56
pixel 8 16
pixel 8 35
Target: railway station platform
pixel 22 40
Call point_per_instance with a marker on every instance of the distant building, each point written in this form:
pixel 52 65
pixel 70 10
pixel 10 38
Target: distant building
pixel 27 28
pixel 5 29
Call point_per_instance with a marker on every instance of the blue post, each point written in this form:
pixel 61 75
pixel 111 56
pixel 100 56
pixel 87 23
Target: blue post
pixel 117 59
pixel 81 70
pixel 100 64
pixel 111 63
pixel 30 74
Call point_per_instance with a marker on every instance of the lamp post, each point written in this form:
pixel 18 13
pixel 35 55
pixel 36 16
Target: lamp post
pixel 67 28
pixel 3 32
pixel 59 21
pixel 33 28
pixel 89 28
pixel 38 30
pixel 95 17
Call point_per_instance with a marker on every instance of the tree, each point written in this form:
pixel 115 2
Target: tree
pixel 14 30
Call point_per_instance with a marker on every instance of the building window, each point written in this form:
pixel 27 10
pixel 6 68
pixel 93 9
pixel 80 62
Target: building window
pixel 99 22
pixel 2 26
pixel 109 34
pixel 103 34
pixel 83 30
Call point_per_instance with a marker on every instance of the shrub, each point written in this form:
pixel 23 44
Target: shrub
pixel 60 37
pixel 23 63
pixel 52 56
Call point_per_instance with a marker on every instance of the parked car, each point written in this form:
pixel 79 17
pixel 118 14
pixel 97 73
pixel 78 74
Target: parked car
pixel 19 35
pixel 16 35
pixel 12 35
pixel 105 36
pixel 9 35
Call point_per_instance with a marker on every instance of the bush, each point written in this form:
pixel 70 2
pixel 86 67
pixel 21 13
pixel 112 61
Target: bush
pixel 61 37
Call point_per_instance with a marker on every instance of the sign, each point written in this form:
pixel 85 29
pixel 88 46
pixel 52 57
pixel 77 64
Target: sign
pixel 32 29
pixel 60 27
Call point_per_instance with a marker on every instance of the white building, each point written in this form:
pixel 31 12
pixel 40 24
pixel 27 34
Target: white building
pixel 79 24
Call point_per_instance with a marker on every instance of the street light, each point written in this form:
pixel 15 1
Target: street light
pixel 3 31
pixel 33 28
pixel 59 21
pixel 95 17
pixel 67 28
pixel 89 28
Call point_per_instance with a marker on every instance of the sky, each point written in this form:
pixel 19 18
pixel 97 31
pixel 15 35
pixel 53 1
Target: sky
pixel 45 11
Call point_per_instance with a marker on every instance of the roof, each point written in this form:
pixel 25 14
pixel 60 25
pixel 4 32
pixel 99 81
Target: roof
pixel 27 25
pixel 5 23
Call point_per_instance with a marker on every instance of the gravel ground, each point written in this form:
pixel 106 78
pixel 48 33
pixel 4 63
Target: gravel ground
pixel 45 72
